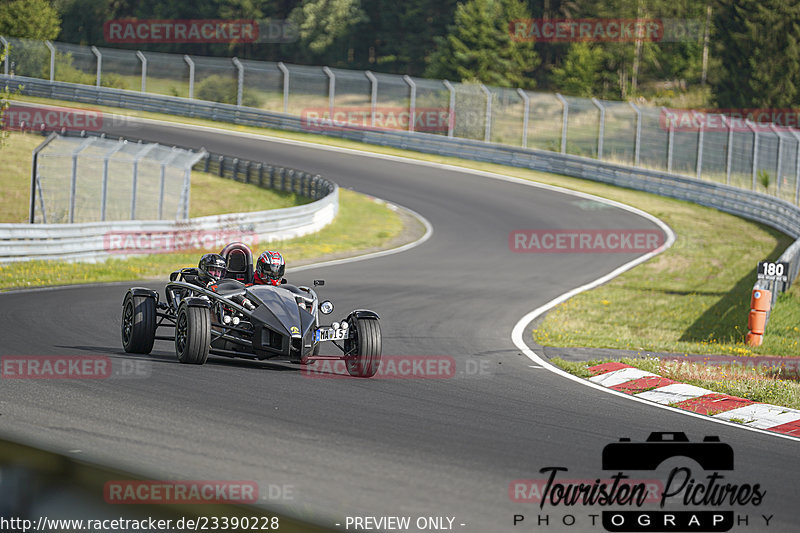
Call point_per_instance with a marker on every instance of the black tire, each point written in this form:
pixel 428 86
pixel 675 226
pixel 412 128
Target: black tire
pixel 192 334
pixel 365 358
pixel 138 323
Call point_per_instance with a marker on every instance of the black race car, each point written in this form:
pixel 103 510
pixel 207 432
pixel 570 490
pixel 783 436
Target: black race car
pixel 238 319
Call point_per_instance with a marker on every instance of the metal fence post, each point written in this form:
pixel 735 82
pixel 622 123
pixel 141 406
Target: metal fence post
pixel 564 118
pixel 52 49
pixel 104 194
pixel 285 72
pixel 7 51
pixel 412 102
pixel 755 150
pixel 143 59
pixel 780 157
pixel 189 62
pixel 99 57
pixel 670 139
pixel 728 150
pixel 796 168
pixel 35 180
pixel 451 119
pixel 239 81
pixel 487 129
pixel 373 96
pixel 187 176
pixel 139 155
pixel 331 89
pixel 526 108
pixel 73 186
pixel 638 139
pixel 162 182
pixel 700 139
pixel 601 128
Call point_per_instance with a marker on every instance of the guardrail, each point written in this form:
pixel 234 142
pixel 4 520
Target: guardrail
pixel 763 208
pixel 98 240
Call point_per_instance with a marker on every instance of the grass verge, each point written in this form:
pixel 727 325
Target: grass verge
pixel 757 385
pixel 693 298
pixel 362 224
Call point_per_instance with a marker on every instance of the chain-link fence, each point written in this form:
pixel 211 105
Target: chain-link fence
pixel 719 147
pixel 90 179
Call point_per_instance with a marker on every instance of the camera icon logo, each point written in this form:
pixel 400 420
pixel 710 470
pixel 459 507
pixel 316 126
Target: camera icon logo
pixel 711 454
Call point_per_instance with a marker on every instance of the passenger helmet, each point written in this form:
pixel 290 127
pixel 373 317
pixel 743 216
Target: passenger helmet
pixel 270 268
pixel 212 267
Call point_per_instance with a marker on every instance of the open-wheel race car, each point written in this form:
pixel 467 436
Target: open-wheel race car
pixel 235 318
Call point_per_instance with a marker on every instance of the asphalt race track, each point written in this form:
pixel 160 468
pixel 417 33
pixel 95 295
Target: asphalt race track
pixel 358 447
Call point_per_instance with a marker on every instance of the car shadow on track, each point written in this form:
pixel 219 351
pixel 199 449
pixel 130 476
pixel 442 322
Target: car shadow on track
pixel 166 357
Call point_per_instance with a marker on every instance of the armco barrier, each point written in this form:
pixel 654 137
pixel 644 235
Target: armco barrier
pixel 752 205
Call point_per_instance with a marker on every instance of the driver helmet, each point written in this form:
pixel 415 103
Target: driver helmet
pixel 270 268
pixel 212 268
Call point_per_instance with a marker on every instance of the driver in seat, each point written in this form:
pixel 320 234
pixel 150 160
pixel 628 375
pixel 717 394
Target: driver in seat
pixel 270 268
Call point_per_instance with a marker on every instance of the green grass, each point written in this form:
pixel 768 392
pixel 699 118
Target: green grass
pixel 15 176
pixel 693 298
pixel 362 224
pixel 758 385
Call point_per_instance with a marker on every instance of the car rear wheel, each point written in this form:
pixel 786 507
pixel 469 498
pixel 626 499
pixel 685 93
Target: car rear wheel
pixel 364 348
pixel 192 334
pixel 138 323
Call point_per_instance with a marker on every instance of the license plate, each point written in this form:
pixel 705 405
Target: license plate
pixel 330 334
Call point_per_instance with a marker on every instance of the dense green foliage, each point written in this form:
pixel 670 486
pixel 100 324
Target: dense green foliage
pixel 748 50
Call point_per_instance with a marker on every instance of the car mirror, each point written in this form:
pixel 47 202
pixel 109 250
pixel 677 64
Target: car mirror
pixel 319 282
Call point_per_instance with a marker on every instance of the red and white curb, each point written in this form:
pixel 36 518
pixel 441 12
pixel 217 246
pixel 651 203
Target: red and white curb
pixel 658 389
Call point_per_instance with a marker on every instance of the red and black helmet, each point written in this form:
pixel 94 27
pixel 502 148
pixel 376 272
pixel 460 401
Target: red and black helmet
pixel 270 268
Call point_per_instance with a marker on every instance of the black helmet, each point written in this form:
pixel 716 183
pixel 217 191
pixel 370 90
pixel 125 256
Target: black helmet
pixel 212 267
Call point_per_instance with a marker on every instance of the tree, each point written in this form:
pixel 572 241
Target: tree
pixel 758 47
pixel 321 22
pixel 580 74
pixel 480 48
pixel 29 19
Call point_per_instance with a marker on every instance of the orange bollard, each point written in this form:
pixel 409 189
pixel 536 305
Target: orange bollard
pixel 754 340
pixel 761 300
pixel 756 321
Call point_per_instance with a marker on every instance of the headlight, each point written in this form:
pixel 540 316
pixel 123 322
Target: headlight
pixel 226 319
pixel 326 307
pixel 345 325
pixel 335 325
pixel 236 321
